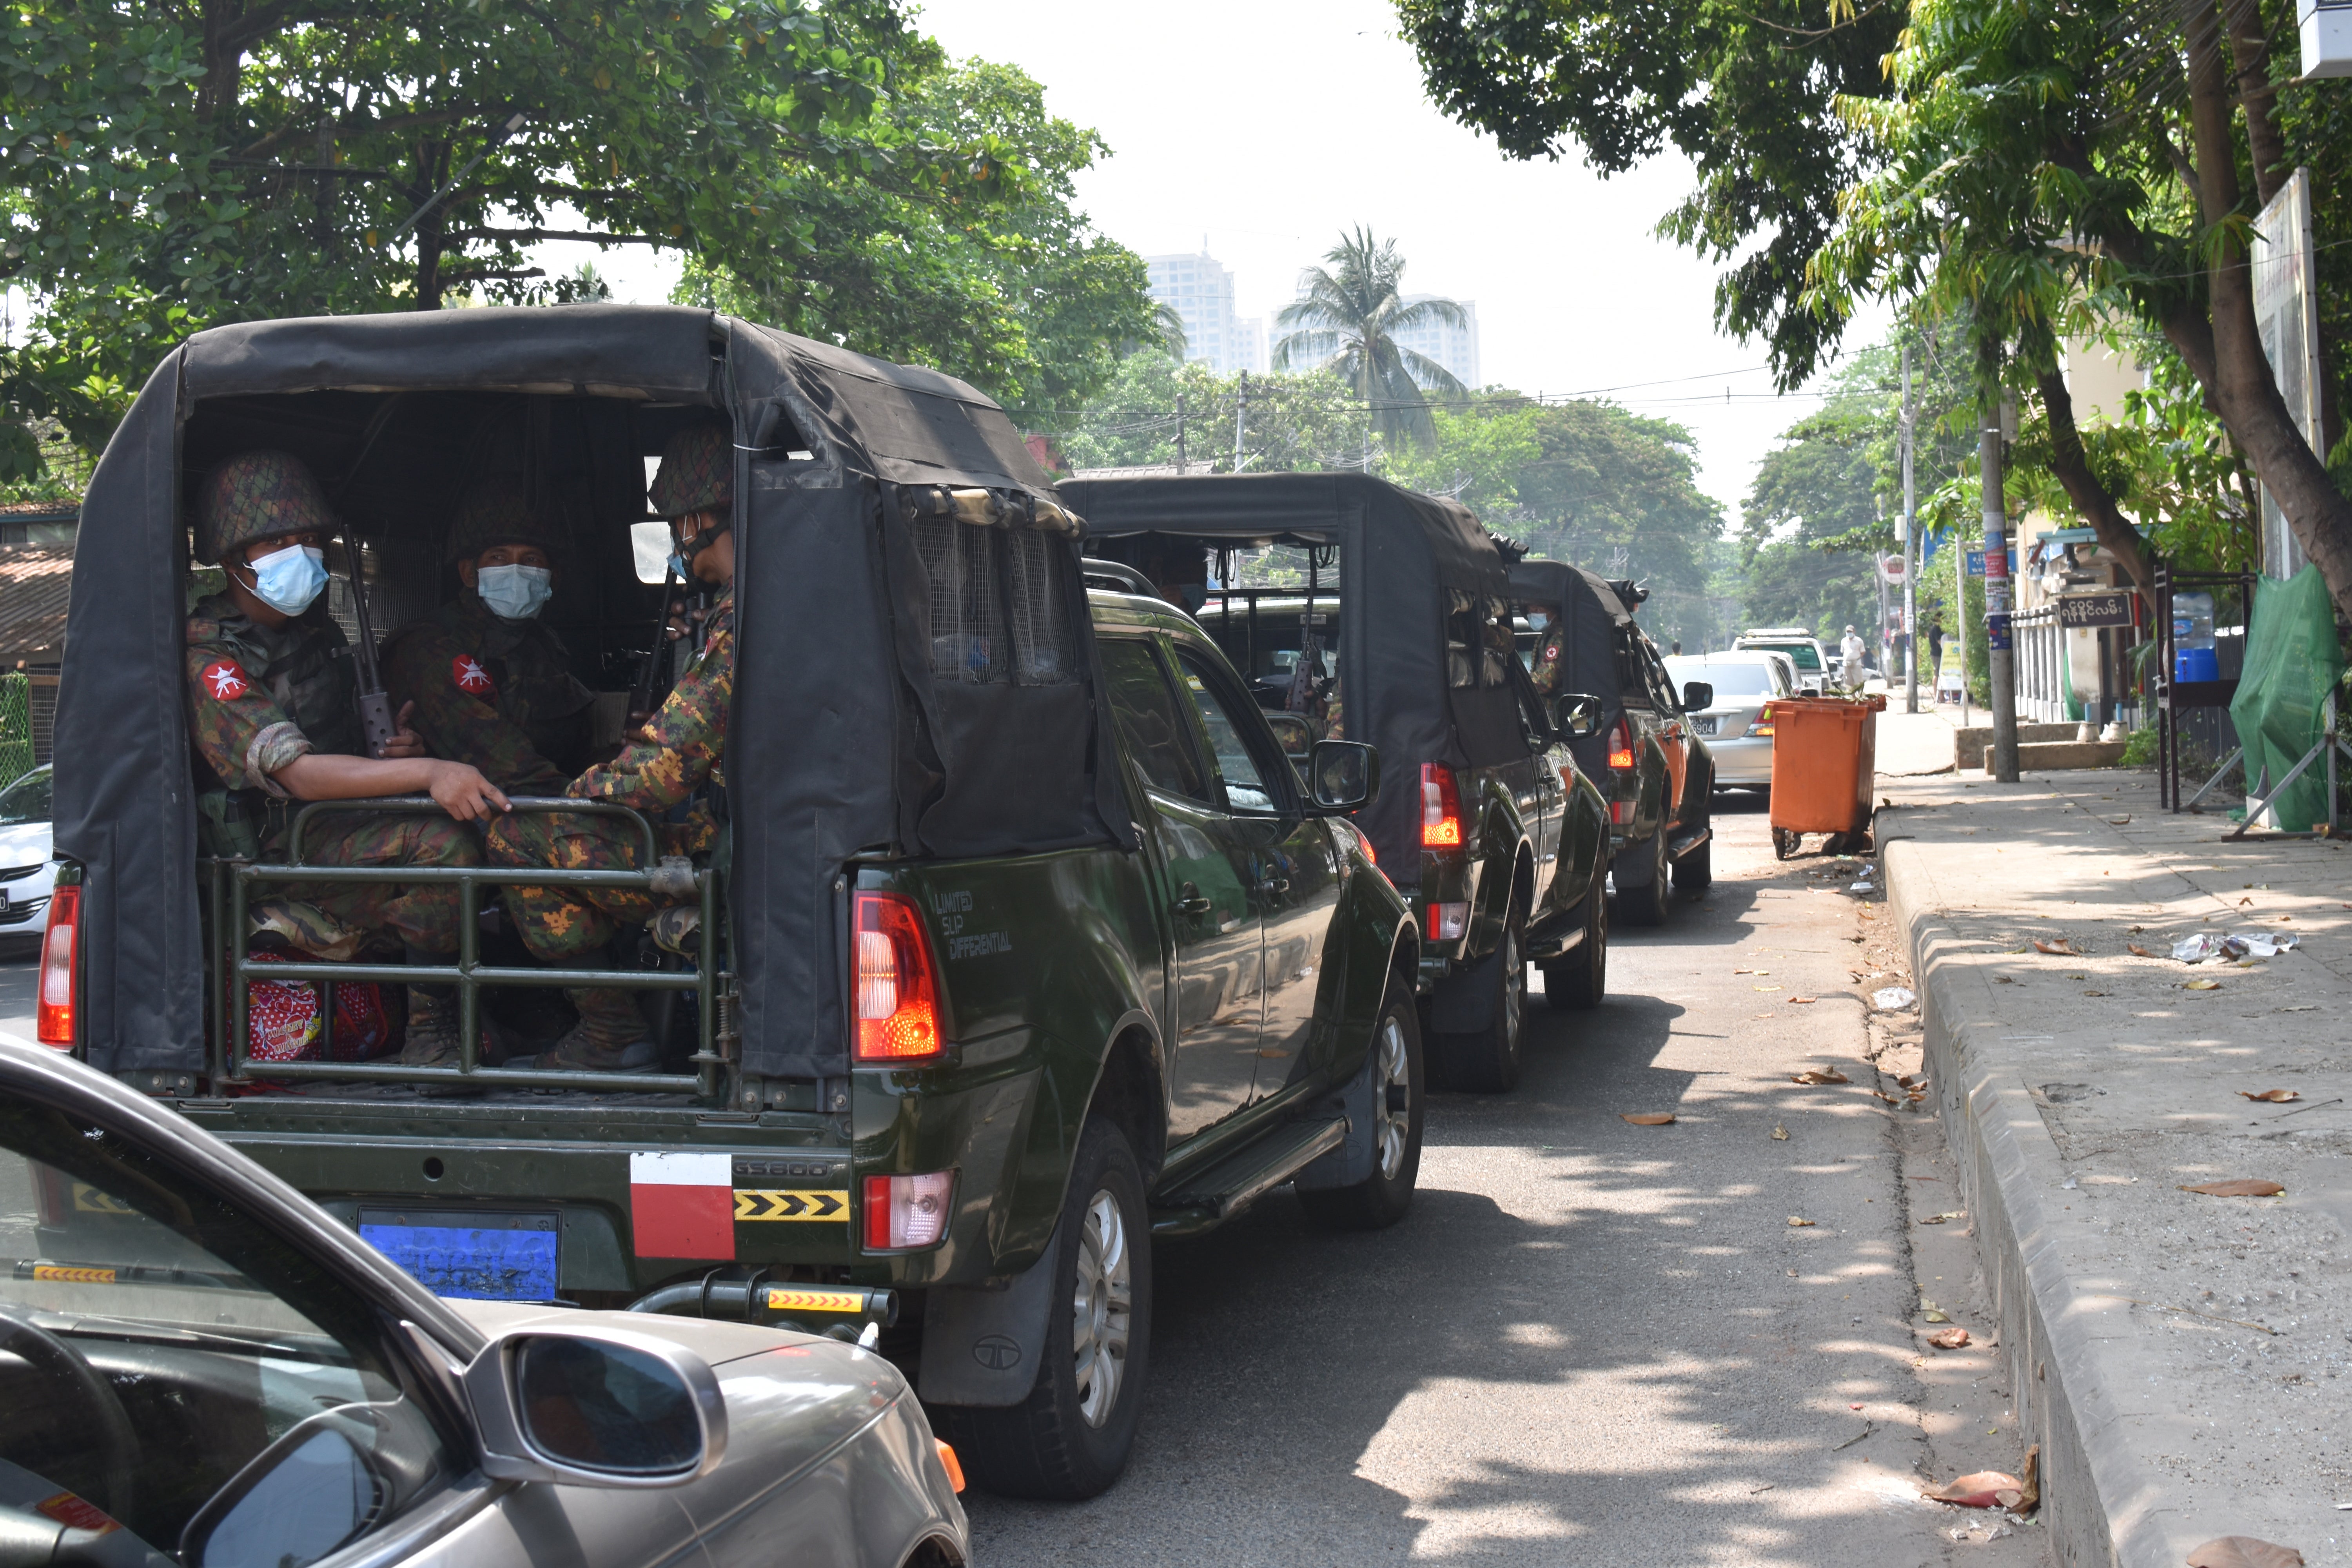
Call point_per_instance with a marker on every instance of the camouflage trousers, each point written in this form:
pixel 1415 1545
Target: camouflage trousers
pixel 424 916
pixel 563 925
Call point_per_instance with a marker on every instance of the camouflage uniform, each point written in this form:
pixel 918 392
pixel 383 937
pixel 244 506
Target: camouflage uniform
pixel 261 698
pixel 659 771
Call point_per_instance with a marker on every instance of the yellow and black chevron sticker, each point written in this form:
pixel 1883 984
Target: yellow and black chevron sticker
pixel 829 1203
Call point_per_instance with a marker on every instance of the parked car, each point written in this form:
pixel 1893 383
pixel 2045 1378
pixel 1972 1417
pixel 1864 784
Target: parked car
pixel 25 870
pixel 1803 649
pixel 1657 776
pixel 1028 945
pixel 1737 725
pixel 206 1368
pixel 1403 639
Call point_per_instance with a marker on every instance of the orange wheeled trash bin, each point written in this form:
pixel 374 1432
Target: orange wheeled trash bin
pixel 1824 755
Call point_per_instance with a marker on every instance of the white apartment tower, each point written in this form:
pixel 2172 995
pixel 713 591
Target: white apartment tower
pixel 1203 293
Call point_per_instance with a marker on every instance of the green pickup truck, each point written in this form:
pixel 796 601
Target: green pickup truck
pixel 1497 835
pixel 1027 943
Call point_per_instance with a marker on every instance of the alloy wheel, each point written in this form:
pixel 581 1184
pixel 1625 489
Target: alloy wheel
pixel 1102 1308
pixel 1515 989
pixel 1395 1104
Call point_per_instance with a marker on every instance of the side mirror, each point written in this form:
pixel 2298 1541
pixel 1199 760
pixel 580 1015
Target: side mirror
pixel 1295 734
pixel 1576 715
pixel 595 1407
pixel 1343 777
pixel 1696 695
pixel 315 1488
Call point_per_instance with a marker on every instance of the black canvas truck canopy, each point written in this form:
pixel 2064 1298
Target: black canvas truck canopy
pixel 1592 612
pixel 915 668
pixel 1402 558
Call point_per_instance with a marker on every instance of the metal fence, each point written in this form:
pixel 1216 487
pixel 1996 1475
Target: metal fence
pixel 231 885
pixel 2045 693
pixel 17 756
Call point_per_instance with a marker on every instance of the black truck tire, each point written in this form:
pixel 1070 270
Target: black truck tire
pixel 1645 905
pixel 1381 1199
pixel 1581 980
pixel 1070 1438
pixel 1695 870
pixel 1487 1060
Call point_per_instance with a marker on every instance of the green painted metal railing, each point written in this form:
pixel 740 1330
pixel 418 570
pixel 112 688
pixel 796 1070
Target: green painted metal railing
pixel 16 726
pixel 232 882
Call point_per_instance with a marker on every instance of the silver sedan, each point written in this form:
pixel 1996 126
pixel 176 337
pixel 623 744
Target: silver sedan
pixel 1737 725
pixel 203 1369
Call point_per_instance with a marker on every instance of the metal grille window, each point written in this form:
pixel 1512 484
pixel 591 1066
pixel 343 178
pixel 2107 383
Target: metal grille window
pixel 999 606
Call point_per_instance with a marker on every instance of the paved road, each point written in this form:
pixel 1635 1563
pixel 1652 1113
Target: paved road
pixel 1589 1341
pixel 17 995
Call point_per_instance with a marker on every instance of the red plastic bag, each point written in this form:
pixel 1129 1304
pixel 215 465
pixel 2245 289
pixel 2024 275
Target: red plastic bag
pixel 283 1023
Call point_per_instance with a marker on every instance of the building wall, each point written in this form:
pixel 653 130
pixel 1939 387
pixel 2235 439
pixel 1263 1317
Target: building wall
pixel 1202 291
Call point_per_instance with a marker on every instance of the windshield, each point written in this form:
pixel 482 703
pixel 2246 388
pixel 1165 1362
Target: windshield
pixel 1729 679
pixel 1806 654
pixel 26 800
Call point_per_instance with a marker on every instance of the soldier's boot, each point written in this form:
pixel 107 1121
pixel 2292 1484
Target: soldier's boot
pixel 430 1040
pixel 611 1036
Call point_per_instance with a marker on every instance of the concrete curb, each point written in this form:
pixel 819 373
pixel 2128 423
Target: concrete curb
pixel 2101 1505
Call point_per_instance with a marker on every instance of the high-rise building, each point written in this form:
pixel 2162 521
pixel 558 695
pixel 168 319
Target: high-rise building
pixel 1203 293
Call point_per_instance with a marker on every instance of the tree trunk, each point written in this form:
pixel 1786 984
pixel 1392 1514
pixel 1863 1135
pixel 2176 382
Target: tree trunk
pixel 2244 390
pixel 429 231
pixel 2073 467
pixel 2250 46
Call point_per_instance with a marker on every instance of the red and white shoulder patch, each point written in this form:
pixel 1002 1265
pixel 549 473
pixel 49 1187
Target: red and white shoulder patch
pixel 471 677
pixel 226 680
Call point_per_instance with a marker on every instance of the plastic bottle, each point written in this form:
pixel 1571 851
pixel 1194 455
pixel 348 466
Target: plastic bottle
pixel 2194 655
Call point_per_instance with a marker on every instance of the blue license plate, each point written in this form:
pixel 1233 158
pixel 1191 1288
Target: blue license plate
pixel 480 1257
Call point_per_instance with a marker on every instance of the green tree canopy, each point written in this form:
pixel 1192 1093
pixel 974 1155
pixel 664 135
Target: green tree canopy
pixel 173 168
pixel 1292 423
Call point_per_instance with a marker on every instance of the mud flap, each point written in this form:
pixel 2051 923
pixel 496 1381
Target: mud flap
pixel 983 1346
pixel 1464 1002
pixel 1623 874
pixel 1351 1164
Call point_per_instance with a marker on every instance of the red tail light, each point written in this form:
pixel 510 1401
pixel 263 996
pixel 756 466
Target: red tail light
pixel 1763 724
pixel 1441 808
pixel 897 987
pixel 1621 745
pixel 58 942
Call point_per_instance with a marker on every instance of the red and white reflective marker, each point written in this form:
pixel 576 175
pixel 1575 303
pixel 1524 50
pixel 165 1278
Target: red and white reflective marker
pixel 227 680
pixel 682 1205
pixel 471 677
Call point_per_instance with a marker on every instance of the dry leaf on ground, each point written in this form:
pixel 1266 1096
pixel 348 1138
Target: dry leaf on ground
pixel 1947 1214
pixel 1650 1119
pixel 2202 985
pixel 2243 1188
pixel 1803 1001
pixel 2244 1552
pixel 1780 1134
pixel 2059 946
pixel 1820 1075
pixel 2275 1096
pixel 1764 988
pixel 1795 1222
pixel 2028 1495
pixel 2138 950
pixel 1951 1338
pixel 1976 1490
pixel 1886 1097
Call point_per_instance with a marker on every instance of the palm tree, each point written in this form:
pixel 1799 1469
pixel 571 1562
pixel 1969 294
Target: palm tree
pixel 1358 303
pixel 1169 323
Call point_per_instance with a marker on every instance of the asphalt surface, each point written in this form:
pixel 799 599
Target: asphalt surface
pixel 1589 1341
pixel 17 992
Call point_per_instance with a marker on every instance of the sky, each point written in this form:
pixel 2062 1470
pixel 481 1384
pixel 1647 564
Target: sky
pixel 1264 131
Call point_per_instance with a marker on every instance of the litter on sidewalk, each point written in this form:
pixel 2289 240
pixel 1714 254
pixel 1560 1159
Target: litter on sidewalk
pixel 2208 945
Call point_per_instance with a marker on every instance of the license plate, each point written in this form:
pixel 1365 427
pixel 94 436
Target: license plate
pixel 479 1257
pixel 1703 726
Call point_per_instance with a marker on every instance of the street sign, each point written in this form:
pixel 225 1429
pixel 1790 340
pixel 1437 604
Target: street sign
pixel 1975 562
pixel 2095 609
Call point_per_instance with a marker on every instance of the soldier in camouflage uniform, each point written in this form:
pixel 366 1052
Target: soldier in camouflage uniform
pixel 661 767
pixel 274 721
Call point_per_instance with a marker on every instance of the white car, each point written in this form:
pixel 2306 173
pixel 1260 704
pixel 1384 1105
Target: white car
pixel 1737 725
pixel 26 869
pixel 1805 650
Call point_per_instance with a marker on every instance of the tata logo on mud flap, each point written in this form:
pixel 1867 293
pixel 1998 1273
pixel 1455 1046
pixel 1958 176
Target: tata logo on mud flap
pixel 997 1352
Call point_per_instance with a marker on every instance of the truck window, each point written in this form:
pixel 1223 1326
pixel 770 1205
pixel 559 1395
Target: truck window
pixel 1149 721
pixel 1244 773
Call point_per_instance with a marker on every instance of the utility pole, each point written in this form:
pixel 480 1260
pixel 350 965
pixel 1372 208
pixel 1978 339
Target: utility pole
pixel 1909 541
pixel 1180 433
pixel 1960 612
pixel 1241 412
pixel 2002 662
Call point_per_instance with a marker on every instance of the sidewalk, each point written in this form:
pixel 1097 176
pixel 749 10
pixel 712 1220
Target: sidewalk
pixel 2182 1359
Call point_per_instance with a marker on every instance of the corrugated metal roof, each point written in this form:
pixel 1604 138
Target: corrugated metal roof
pixel 34 581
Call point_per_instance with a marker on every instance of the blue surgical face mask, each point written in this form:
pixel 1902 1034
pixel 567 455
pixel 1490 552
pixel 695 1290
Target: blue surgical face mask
pixel 1538 620
pixel 515 593
pixel 288 580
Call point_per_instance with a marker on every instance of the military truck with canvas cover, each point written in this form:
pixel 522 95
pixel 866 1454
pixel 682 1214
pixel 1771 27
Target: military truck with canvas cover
pixel 1641 745
pixel 1020 941
pixel 1495 835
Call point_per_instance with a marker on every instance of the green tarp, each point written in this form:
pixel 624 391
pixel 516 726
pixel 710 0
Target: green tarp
pixel 2292 662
